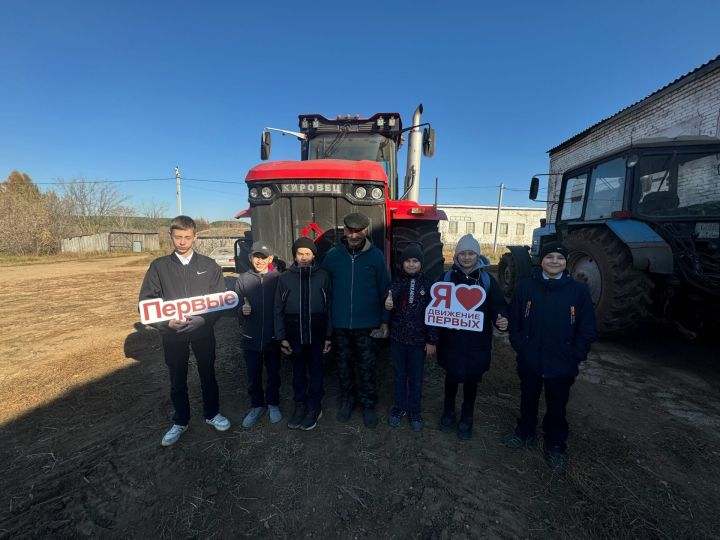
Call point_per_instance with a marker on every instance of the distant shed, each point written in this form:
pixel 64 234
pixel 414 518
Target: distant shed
pixel 112 241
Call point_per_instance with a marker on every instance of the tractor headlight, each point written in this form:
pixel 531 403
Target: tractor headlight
pixel 254 193
pixel 360 192
pixel 266 192
pixel 376 193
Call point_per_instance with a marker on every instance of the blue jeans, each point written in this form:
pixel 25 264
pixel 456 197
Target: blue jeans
pixel 254 361
pixel 308 373
pixel 409 367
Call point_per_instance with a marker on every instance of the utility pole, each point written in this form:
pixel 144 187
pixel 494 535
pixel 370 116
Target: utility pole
pixel 497 218
pixel 177 184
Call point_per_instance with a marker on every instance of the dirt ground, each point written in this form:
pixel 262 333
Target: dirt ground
pixel 85 403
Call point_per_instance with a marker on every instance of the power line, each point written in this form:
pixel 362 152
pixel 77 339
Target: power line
pixel 65 182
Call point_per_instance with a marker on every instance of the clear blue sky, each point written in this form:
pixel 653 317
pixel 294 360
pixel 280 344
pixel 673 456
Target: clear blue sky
pixel 127 90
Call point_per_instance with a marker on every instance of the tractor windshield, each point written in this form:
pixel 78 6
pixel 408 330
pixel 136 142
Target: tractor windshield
pixel 355 147
pixel 678 185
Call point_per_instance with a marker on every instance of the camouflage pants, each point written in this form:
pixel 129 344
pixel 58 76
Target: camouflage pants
pixel 355 354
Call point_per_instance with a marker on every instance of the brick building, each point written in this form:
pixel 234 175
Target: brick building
pixel 515 226
pixel 690 105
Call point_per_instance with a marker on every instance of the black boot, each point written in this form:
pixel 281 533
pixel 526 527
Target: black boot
pixel 345 410
pixel 447 420
pixel 465 425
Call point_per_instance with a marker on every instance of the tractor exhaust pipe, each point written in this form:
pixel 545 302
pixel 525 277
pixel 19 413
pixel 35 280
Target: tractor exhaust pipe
pixel 412 172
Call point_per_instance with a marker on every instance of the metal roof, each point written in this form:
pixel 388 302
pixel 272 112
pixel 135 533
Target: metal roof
pixel 695 74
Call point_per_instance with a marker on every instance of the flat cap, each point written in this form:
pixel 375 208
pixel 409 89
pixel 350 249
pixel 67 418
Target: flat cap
pixel 356 221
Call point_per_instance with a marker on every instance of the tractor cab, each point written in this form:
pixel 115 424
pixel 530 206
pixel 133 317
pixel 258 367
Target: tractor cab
pixel 348 164
pixel 642 225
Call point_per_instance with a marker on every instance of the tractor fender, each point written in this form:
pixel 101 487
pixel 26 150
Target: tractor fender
pixel 649 251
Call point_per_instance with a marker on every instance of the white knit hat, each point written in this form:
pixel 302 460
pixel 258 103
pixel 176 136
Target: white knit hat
pixel 467 243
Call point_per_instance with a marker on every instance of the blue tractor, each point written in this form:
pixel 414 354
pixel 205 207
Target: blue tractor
pixel 642 225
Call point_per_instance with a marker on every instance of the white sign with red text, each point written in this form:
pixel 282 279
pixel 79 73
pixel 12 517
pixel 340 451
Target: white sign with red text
pixel 453 306
pixel 158 310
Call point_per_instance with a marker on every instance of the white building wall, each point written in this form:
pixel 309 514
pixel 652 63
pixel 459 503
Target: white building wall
pixel 516 224
pixel 691 109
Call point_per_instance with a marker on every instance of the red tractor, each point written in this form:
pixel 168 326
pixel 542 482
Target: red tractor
pixel 349 164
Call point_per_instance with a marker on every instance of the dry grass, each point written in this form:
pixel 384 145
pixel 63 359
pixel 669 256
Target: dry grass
pixel 18 260
pixel 449 252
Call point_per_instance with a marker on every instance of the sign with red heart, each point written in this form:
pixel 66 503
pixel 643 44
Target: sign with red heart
pixel 470 297
pixel 454 306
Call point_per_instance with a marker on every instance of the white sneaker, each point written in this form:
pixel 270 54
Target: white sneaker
pixel 172 436
pixel 275 414
pixel 252 417
pixel 219 422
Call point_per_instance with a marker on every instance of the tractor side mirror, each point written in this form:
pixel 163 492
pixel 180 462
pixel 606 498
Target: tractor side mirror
pixel 265 145
pixel 534 187
pixel 428 144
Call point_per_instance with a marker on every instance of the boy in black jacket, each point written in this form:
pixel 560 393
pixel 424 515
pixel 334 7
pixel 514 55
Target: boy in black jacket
pixel 410 338
pixel 552 327
pixel 302 325
pixel 256 289
pixel 184 274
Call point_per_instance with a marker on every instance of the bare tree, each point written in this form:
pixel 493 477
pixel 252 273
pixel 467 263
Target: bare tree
pixel 153 210
pixel 91 203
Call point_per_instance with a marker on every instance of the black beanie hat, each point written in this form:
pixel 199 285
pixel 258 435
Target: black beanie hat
pixel 412 251
pixel 304 242
pixel 553 247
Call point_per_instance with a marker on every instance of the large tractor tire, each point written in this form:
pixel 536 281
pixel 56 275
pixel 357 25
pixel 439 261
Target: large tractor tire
pixel 425 233
pixel 620 293
pixel 512 267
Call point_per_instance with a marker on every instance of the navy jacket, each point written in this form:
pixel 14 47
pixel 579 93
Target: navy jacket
pixel 411 295
pixel 169 279
pixel 360 282
pixel 302 302
pixel 552 325
pixel 259 326
pixel 463 353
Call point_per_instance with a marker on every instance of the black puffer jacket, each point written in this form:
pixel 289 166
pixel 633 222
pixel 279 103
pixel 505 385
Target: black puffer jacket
pixel 552 325
pixel 463 353
pixel 302 304
pixel 259 327
pixel 411 295
pixel 169 279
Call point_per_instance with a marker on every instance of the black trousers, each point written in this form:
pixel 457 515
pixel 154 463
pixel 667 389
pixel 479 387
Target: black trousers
pixel 557 394
pixel 254 361
pixel 177 354
pixel 470 390
pixel 308 373
pixel 355 354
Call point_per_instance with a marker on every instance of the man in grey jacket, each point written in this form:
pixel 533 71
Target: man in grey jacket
pixel 184 274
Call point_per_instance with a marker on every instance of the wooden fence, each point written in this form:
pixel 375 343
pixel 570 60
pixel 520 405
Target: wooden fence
pixel 112 241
